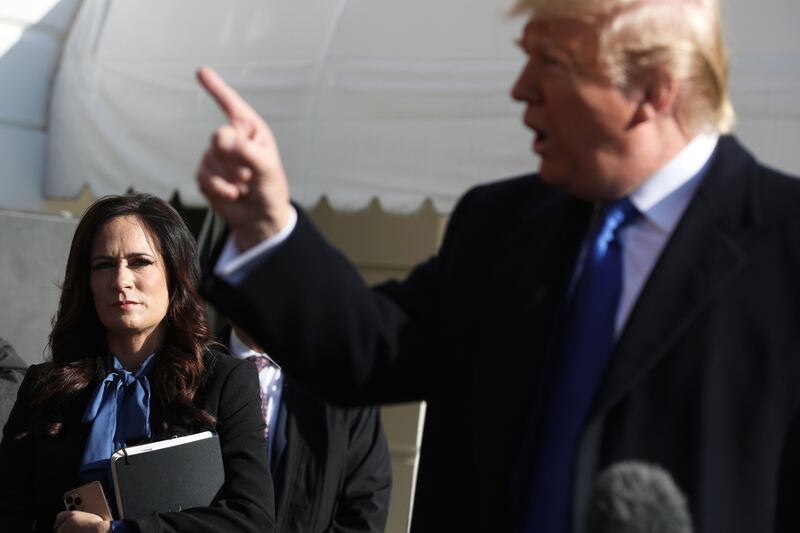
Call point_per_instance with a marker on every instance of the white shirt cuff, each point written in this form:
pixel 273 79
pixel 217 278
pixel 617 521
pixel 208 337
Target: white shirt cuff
pixel 233 265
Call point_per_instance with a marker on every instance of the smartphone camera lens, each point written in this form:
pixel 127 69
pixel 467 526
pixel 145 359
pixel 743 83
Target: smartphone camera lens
pixel 70 508
pixel 77 501
pixel 68 499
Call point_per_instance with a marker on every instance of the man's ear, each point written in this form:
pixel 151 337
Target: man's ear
pixel 656 96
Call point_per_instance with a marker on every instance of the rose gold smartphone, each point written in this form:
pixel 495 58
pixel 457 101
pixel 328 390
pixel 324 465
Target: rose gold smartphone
pixel 88 498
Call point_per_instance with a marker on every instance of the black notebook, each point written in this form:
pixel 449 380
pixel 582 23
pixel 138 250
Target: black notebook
pixel 167 475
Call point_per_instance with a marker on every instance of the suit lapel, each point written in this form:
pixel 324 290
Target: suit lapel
pixel 305 462
pixel 534 263
pixel 288 457
pixel 62 454
pixel 706 251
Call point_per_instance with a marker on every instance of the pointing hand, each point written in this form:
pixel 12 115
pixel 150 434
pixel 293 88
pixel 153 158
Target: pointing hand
pixel 241 173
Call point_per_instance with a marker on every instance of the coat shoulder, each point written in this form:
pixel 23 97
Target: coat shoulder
pixel 779 190
pixel 221 366
pixel 504 194
pixel 492 206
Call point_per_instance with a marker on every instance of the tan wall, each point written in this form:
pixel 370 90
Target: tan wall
pixel 74 206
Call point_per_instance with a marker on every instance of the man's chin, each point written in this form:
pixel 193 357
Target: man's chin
pixel 571 183
pixel 554 177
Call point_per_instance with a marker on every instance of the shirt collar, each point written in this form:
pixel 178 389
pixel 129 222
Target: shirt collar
pixel 143 370
pixel 664 196
pixel 241 350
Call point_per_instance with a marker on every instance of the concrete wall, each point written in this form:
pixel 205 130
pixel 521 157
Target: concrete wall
pixel 33 255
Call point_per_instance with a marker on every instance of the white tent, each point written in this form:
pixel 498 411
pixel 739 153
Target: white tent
pixel 369 98
pixel 399 100
pixel 32 34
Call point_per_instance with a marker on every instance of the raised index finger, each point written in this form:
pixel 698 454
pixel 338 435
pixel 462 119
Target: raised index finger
pixel 234 106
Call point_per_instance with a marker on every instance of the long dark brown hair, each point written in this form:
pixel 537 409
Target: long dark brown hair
pixel 78 339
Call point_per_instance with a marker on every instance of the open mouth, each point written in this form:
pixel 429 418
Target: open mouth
pixel 540 140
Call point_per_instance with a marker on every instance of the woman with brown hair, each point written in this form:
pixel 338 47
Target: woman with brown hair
pixel 131 363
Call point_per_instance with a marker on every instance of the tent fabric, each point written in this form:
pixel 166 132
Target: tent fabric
pixel 401 101
pixel 398 101
pixel 31 36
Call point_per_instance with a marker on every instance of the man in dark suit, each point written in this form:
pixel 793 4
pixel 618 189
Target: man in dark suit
pixel 12 371
pixel 330 465
pixel 637 298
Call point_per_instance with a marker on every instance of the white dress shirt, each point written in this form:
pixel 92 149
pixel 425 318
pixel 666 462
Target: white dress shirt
pixel 233 265
pixel 269 377
pixel 661 199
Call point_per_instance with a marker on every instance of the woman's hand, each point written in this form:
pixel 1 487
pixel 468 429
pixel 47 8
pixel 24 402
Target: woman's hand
pixel 80 522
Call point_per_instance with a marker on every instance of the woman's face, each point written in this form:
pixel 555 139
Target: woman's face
pixel 128 280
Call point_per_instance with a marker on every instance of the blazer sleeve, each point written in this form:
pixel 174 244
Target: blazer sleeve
pixel 16 463
pixel 363 502
pixel 246 500
pixel 309 308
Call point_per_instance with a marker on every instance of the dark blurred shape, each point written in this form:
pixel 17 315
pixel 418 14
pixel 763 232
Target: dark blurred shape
pixel 636 497
pixel 12 370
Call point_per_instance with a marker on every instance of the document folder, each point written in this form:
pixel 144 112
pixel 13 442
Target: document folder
pixel 168 475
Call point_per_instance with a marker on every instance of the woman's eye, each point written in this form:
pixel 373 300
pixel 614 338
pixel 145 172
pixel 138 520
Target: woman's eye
pixel 141 262
pixel 100 266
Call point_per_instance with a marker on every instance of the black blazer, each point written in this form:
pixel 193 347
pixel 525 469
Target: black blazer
pixel 703 379
pixel 37 469
pixel 332 469
pixel 334 473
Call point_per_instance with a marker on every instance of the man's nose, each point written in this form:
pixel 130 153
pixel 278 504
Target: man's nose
pixel 526 88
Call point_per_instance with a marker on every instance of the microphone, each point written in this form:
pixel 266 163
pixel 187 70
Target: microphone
pixel 636 497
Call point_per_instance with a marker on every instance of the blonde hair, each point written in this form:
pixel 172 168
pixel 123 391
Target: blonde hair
pixel 643 38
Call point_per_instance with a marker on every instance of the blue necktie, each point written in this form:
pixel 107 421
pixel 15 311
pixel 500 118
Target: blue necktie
pixel 588 339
